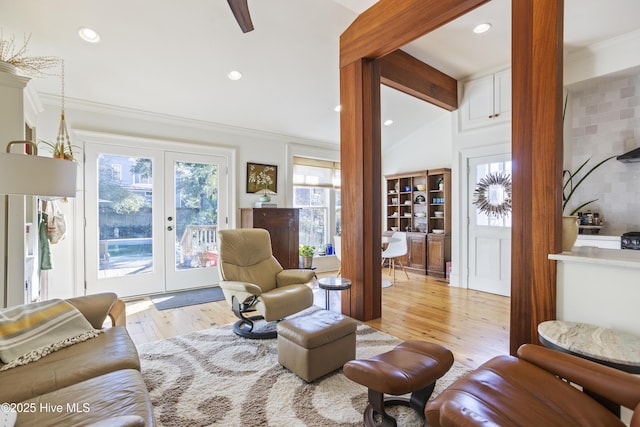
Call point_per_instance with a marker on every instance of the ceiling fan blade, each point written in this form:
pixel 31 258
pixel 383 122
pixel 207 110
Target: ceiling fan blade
pixel 240 10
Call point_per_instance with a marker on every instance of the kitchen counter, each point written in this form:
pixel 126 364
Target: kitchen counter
pixel 600 256
pixel 599 286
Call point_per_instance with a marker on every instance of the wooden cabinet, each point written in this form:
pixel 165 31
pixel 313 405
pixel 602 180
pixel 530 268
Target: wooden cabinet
pixel 438 253
pixel 416 258
pixel 417 254
pixel 283 225
pixel 406 202
pixel 439 201
pixel 486 101
pixel 439 238
pixel 419 203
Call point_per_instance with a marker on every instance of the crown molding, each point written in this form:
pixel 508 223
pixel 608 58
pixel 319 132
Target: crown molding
pixel 114 110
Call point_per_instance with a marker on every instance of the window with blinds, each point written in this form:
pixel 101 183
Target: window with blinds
pixel 316 191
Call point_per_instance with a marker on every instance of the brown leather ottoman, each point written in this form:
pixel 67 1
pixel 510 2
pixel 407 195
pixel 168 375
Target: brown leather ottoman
pixel 314 345
pixel 412 367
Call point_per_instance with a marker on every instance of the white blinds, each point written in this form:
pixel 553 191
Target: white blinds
pixel 315 173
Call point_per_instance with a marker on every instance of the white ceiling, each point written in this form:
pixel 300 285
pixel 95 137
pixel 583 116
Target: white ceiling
pixel 172 57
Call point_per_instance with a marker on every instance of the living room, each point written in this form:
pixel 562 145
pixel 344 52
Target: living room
pixel 99 121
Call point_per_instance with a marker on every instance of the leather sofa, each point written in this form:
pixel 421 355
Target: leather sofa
pixel 97 381
pixel 534 389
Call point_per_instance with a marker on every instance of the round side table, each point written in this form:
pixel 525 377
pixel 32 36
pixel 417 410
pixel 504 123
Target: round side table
pixel 334 284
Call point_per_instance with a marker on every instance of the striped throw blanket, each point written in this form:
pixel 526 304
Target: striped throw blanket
pixel 31 331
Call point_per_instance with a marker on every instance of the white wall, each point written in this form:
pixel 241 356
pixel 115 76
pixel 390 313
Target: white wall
pixel 67 277
pixel 427 148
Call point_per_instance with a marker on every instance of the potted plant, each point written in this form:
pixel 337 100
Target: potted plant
pixel 570 185
pixel 59 150
pixel 306 252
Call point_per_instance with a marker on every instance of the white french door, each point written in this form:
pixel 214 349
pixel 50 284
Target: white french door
pixel 151 219
pixel 489 235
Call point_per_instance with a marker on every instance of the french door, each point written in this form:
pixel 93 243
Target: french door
pixel 489 234
pixel 151 219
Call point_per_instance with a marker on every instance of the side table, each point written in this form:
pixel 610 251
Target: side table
pixel 334 284
pixel 605 346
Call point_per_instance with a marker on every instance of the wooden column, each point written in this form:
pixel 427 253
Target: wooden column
pixel 361 174
pixel 537 164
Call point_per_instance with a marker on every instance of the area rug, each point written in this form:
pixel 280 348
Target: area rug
pixel 185 298
pixel 215 378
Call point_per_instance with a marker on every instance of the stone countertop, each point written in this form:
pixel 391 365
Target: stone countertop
pixel 595 342
pixel 600 256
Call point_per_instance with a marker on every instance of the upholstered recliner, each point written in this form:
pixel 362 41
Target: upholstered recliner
pixel 252 280
pixel 533 390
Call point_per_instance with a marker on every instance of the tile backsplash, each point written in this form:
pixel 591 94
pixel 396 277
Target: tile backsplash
pixel 605 122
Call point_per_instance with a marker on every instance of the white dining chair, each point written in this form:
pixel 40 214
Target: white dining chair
pixel 396 248
pixel 337 250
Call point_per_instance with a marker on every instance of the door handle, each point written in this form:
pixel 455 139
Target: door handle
pixel 170 218
pixel 169 228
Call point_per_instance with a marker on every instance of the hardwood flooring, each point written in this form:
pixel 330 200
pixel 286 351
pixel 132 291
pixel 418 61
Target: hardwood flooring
pixel 473 325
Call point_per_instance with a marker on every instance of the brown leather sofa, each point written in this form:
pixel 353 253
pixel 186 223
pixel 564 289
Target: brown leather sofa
pixel 93 382
pixel 529 390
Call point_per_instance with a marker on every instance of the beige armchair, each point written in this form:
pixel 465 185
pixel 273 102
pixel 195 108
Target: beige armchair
pixel 253 280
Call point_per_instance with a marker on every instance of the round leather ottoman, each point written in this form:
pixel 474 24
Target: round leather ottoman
pixel 411 367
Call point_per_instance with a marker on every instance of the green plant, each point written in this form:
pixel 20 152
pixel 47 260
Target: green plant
pixel 306 250
pixel 60 150
pixel 568 185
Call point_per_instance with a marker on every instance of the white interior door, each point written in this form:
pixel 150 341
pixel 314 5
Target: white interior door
pixel 489 235
pixel 151 219
pixel 192 205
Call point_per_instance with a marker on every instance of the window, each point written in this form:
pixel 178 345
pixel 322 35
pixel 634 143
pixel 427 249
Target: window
pixel 316 191
pixel 481 171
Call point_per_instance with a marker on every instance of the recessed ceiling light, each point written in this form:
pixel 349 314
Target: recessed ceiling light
pixel 89 35
pixel 482 28
pixel 234 75
pixel 388 122
pixel 338 108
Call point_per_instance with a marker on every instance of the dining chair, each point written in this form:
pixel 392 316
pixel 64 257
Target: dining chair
pixel 396 248
pixel 337 250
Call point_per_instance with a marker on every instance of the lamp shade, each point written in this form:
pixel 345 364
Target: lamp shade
pixel 22 174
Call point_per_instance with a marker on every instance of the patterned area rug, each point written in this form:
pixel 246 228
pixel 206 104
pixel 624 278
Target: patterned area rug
pixel 215 378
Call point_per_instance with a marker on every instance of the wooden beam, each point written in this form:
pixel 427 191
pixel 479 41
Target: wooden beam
pixel 407 74
pixel 537 164
pixel 361 174
pixel 389 24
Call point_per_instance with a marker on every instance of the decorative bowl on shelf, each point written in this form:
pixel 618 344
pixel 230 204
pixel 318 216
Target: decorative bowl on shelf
pixel 420 199
pixel 394 228
pixel 421 187
pixel 420 214
pixel 407 202
pixel 439 214
pixel 437 231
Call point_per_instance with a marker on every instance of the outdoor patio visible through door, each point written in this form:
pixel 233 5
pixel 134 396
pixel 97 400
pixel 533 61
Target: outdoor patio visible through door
pixel 152 218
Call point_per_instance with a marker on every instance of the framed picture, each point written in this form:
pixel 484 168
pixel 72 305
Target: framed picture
pixel 260 176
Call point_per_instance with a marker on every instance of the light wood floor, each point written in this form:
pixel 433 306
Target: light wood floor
pixel 473 325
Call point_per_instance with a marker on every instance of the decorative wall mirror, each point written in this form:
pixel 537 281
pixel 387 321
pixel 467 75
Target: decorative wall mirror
pixel 493 194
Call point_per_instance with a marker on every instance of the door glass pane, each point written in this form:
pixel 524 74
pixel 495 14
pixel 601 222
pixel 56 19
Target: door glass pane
pixel 196 197
pixel 482 170
pixel 125 194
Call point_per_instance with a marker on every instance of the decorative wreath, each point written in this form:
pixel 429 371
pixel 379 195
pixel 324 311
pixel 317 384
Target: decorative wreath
pixel 493 194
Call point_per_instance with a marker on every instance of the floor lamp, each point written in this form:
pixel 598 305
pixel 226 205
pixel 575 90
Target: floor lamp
pixel 31 175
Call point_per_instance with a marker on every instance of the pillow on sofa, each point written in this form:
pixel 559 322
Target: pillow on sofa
pixel 31 331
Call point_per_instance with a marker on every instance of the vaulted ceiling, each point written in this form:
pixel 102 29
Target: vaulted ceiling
pixel 172 58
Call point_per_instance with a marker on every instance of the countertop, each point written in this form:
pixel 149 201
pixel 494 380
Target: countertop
pixel 600 256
